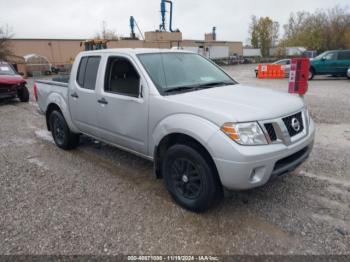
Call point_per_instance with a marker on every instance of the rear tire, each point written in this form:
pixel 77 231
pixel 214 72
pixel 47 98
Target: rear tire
pixel 61 134
pixel 23 94
pixel 190 178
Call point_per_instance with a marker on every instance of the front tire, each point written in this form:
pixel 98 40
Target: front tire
pixel 311 74
pixel 61 134
pixel 190 178
pixel 23 94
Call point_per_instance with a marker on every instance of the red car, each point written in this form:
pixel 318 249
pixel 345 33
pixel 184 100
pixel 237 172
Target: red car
pixel 12 84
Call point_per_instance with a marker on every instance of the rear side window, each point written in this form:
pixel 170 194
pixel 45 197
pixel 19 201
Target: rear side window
pixel 81 71
pixel 344 55
pixel 87 72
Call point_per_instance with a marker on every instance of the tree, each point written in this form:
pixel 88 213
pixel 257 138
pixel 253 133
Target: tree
pixel 5 35
pixel 322 30
pixel 264 34
pixel 106 34
pixel 253 31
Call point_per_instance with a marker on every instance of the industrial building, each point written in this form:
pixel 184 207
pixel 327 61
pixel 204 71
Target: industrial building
pixel 63 51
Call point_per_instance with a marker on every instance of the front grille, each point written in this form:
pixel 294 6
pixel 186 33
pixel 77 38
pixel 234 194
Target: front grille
pixel 288 121
pixel 4 88
pixel 271 131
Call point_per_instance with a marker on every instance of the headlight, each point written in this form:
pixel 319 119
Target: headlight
pixel 245 133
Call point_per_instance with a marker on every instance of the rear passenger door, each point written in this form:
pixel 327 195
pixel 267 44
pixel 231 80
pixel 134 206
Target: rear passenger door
pixel 343 62
pixel 82 96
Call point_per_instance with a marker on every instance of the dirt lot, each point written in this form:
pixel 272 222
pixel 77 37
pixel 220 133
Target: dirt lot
pixel 100 200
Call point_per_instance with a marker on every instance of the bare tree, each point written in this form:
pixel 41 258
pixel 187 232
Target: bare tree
pixel 5 35
pixel 322 30
pixel 106 34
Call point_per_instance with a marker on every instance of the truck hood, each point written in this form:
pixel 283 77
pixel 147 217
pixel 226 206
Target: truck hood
pixel 11 79
pixel 240 103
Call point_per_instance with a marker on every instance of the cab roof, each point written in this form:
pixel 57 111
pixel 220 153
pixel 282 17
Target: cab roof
pixel 134 51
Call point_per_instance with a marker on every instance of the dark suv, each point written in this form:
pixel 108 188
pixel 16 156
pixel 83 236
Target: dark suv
pixel 334 63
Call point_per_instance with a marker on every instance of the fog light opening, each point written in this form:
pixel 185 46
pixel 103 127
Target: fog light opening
pixel 256 174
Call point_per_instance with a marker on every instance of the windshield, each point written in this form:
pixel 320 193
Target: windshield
pixel 6 69
pixel 183 72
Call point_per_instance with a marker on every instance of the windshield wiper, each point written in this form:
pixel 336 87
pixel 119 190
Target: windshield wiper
pixel 197 87
pixel 181 88
pixel 214 84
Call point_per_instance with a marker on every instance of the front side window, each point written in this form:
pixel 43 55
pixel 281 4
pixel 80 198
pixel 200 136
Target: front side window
pixel 331 56
pixel 122 77
pixel 183 72
pixel 87 72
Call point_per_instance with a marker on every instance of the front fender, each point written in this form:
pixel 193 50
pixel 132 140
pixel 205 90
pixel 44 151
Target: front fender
pixel 194 126
pixel 58 100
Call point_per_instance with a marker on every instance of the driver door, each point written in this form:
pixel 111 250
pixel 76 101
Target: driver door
pixel 122 111
pixel 328 65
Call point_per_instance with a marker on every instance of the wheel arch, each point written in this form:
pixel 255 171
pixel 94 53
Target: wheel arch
pixel 56 101
pixel 184 139
pixel 50 108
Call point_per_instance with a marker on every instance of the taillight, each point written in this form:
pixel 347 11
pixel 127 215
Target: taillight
pixel 35 89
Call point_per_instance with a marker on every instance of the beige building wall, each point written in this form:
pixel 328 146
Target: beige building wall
pixel 63 51
pixel 56 51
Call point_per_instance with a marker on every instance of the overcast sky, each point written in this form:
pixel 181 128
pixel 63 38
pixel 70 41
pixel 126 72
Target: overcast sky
pixel 83 18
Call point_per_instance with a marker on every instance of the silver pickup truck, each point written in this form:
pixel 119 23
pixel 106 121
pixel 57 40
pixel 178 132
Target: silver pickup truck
pixel 202 129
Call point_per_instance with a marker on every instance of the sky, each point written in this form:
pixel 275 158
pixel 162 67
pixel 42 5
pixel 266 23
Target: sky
pixel 84 18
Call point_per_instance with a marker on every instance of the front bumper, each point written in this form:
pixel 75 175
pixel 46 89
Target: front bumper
pixel 8 95
pixel 245 167
pixel 8 91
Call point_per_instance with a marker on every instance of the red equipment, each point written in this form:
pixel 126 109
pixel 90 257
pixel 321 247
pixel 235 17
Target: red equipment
pixel 298 76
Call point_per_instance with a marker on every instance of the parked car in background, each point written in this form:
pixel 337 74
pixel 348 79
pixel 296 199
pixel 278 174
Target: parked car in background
pixel 202 129
pixel 12 84
pixel 285 65
pixel 335 63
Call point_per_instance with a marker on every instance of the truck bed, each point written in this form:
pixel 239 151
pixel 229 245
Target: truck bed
pixel 46 88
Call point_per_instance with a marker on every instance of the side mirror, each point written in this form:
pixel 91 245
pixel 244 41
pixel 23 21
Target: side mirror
pixel 21 73
pixel 323 59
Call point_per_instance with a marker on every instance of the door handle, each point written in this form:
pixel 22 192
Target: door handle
pixel 103 101
pixel 75 95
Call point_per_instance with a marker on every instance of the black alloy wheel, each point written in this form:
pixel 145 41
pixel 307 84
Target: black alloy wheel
pixel 186 178
pixel 191 178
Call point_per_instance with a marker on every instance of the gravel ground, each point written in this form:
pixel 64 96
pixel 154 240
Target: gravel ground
pixel 100 200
